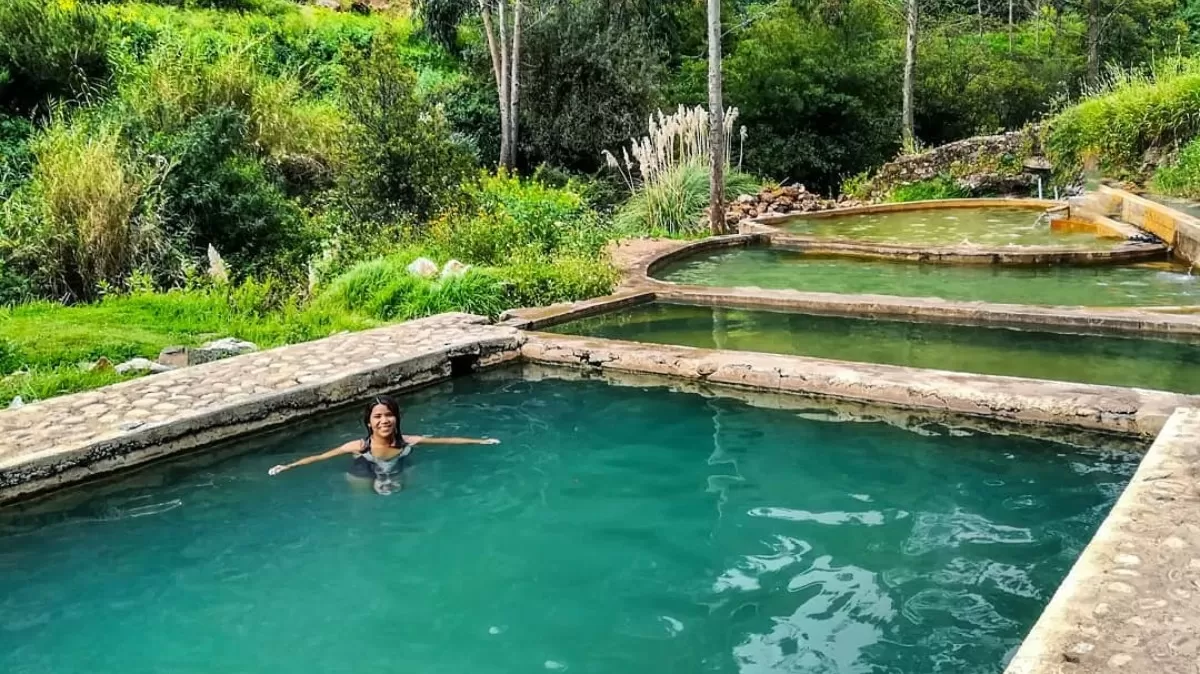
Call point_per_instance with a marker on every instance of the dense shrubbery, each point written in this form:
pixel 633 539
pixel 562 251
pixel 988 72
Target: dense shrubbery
pixel 941 187
pixel 1133 114
pixel 818 98
pixel 1181 176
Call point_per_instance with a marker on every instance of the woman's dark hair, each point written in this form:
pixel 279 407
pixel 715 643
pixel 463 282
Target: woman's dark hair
pixel 393 407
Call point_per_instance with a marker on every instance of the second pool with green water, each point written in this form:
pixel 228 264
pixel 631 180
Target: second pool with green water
pixel 1155 284
pixel 981 226
pixel 1089 359
pixel 613 531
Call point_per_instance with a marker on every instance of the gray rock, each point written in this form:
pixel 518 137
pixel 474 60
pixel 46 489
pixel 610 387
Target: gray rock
pixel 216 350
pixel 136 365
pixel 16 403
pixel 174 356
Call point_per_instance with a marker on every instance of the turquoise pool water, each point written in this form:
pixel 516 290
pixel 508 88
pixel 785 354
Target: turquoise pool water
pixel 614 530
pixel 1154 284
pixel 1089 359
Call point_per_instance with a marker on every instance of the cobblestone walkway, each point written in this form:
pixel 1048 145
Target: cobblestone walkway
pixel 77 432
pixel 1132 601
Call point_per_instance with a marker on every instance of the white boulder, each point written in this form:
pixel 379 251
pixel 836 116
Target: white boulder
pixel 423 267
pixel 454 269
pixel 139 365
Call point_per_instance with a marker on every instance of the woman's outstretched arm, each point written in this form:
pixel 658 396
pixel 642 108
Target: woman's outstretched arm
pixel 429 440
pixel 352 447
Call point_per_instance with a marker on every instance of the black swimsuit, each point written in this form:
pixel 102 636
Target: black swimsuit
pixel 366 466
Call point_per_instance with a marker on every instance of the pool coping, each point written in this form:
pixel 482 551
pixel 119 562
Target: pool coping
pixel 639 260
pixel 1131 602
pixel 1128 411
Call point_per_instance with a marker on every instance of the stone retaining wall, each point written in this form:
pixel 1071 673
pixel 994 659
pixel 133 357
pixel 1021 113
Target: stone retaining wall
pixel 982 165
pixel 68 439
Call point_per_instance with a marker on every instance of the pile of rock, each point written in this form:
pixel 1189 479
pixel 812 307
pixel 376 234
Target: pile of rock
pixel 981 165
pixel 174 357
pixel 781 201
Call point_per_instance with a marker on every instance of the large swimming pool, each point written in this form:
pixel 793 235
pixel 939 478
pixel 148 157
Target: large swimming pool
pixel 614 530
pixel 1152 284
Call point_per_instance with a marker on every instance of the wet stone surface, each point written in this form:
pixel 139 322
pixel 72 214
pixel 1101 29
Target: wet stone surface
pixel 86 432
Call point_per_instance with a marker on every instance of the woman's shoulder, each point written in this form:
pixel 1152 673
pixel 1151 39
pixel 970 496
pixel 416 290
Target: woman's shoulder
pixel 413 439
pixel 354 446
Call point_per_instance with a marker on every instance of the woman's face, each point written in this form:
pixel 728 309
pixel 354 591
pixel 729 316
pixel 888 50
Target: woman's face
pixel 383 422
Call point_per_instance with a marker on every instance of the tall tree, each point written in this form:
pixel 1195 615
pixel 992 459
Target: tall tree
pixel 907 134
pixel 716 121
pixel 504 47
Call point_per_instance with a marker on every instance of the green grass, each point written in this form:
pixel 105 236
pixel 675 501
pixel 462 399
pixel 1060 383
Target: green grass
pixel 46 343
pixel 1180 178
pixel 1132 113
pixel 43 344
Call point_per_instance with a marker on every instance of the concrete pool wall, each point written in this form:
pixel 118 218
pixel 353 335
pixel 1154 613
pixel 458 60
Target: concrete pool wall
pixel 1180 230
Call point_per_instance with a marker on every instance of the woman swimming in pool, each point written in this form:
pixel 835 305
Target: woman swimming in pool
pixel 380 455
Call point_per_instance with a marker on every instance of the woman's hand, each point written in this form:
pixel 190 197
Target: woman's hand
pixel 489 441
pixel 277 470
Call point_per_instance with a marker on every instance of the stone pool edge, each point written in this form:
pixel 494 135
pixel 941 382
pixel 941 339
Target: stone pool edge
pixel 1131 602
pixel 43 448
pixel 1089 407
pixel 638 260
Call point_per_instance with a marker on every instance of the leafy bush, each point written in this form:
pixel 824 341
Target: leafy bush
pixel 818 97
pixel 217 193
pixel 385 290
pixel 504 215
pixel 16 160
pixel 968 84
pixel 674 205
pixel 89 216
pixel 399 157
pixel 1181 177
pixel 1133 114
pixel 532 281
pixel 594 71
pixel 941 187
pixel 49 50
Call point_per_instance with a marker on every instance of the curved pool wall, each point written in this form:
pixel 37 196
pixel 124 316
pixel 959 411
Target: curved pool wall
pixel 967 225
pixel 855 232
pixel 1142 285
